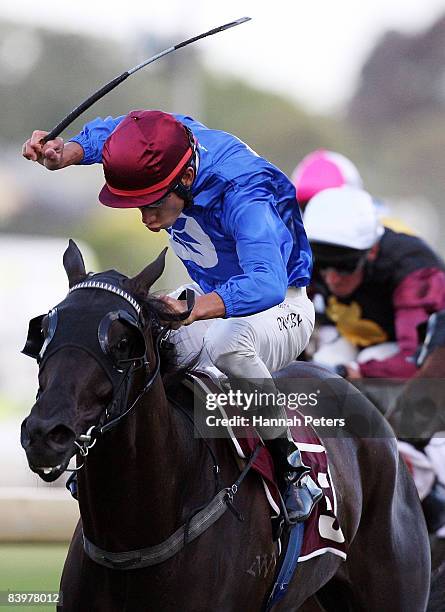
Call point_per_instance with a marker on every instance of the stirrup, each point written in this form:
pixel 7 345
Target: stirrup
pixel 300 499
pixel 297 469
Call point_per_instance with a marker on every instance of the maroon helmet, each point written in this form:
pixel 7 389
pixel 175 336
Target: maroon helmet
pixel 144 158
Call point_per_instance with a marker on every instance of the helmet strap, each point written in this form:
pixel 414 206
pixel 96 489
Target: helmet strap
pixel 185 193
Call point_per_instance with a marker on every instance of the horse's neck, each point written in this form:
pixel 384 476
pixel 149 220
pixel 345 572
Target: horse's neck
pixel 132 492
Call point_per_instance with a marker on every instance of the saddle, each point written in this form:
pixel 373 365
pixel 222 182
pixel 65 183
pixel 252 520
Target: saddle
pixel 316 530
pixel 244 440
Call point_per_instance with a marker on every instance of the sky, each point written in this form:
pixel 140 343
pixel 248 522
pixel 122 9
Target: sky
pixel 311 51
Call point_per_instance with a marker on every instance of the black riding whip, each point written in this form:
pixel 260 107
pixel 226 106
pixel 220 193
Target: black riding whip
pixel 76 112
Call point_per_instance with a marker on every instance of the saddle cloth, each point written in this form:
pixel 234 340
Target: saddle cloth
pixel 322 531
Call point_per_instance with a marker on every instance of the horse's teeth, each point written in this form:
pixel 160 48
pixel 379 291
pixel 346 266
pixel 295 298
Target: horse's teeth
pixel 48 470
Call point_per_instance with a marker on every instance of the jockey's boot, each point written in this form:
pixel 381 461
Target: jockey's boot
pixel 299 491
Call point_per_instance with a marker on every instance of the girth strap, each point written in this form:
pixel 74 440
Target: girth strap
pixel 200 522
pixel 136 559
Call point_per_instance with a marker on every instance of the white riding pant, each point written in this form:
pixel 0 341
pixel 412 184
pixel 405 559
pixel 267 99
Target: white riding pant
pixel 335 350
pixel 248 348
pixel 426 466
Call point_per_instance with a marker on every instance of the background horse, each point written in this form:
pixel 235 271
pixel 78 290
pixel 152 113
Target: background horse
pixel 419 412
pixel 144 474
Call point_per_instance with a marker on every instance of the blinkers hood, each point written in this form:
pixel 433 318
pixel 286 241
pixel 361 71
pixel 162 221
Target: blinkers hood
pixel 87 323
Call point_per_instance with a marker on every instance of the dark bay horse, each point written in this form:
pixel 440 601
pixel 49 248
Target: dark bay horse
pixel 102 396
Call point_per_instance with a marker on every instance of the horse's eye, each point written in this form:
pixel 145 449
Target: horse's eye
pixel 122 345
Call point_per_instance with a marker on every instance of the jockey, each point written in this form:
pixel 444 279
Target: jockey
pixel 377 284
pixel 323 169
pixel 232 220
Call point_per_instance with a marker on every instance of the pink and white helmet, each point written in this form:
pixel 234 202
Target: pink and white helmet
pixel 323 169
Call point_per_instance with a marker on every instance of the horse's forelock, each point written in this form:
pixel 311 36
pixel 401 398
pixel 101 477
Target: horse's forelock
pixel 156 308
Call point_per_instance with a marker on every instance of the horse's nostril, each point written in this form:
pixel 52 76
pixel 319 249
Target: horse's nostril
pixel 60 436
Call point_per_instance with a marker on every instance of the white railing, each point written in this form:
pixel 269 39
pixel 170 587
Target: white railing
pixel 37 515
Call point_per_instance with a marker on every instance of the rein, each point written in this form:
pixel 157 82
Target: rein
pixel 86 441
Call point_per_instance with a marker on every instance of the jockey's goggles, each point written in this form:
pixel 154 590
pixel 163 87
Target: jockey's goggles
pixel 343 260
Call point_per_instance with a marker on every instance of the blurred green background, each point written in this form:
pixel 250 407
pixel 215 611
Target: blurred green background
pixel 31 567
pixel 392 128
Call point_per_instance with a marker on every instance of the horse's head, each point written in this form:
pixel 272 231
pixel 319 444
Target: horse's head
pixel 89 347
pixel 420 409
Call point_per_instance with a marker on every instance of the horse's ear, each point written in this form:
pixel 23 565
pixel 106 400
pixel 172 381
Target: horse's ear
pixel 74 264
pixel 141 283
